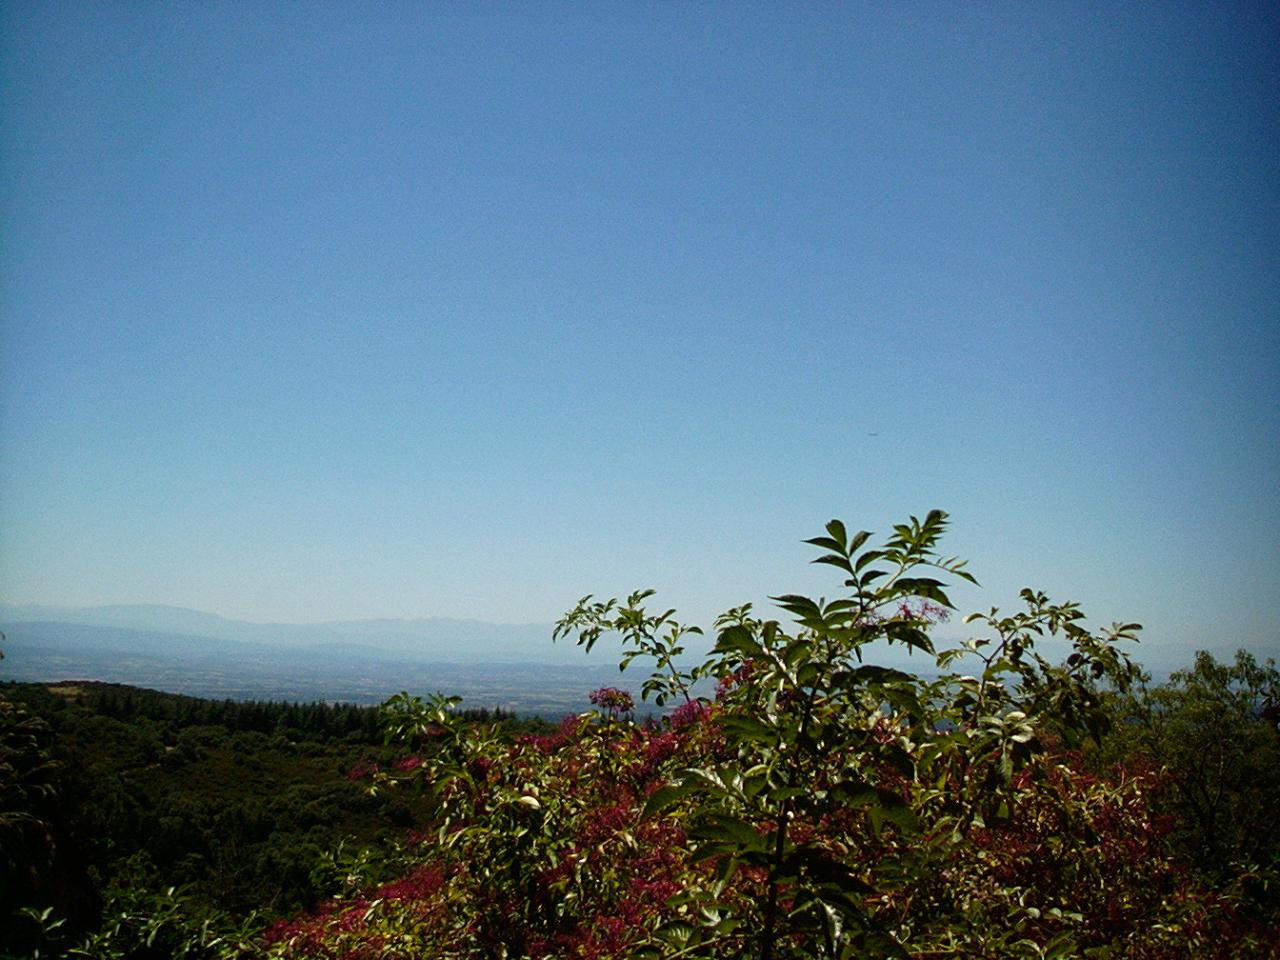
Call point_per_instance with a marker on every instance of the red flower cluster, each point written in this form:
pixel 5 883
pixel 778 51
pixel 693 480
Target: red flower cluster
pixel 689 712
pixel 314 935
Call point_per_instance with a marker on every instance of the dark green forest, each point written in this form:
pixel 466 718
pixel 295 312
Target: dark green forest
pixel 151 817
pixel 812 804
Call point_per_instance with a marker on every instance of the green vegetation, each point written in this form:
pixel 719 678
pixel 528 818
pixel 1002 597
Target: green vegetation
pixel 1212 732
pixel 814 805
pixel 148 816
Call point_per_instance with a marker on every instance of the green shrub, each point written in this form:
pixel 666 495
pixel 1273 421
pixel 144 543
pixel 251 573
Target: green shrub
pixel 817 805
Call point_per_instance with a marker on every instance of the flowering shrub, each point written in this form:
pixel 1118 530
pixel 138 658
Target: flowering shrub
pixel 540 848
pixel 614 702
pixel 817 805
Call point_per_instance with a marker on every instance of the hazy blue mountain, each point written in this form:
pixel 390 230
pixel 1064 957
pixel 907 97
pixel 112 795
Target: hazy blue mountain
pixel 487 664
pixel 154 617
pixel 67 637
pixel 435 639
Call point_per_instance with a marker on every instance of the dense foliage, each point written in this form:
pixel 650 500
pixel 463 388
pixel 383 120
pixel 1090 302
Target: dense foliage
pixel 818 805
pixel 797 801
pixel 143 815
pixel 1213 732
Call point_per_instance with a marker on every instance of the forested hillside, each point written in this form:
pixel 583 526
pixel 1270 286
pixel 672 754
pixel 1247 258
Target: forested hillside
pixel 174 811
pixel 814 805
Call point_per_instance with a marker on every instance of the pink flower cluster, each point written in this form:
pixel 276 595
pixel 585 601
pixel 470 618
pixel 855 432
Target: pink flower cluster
pixel 613 701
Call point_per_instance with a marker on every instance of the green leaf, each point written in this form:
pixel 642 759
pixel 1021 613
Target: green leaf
pixel 734 833
pixel 835 560
pixel 744 727
pixel 858 540
pixel 870 673
pixel 738 639
pixel 807 612
pixel 665 797
pixel 827 543
pixel 824 868
pixel 869 557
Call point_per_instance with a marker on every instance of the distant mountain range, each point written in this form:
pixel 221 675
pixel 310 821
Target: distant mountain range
pixel 189 651
pixel 183 632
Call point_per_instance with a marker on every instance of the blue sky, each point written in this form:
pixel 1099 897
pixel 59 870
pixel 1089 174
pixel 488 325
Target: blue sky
pixel 316 311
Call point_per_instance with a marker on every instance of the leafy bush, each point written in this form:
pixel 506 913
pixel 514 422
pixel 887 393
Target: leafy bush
pixel 134 823
pixel 817 805
pixel 27 849
pixel 1212 730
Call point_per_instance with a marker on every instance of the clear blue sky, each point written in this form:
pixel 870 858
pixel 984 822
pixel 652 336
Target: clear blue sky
pixel 315 311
